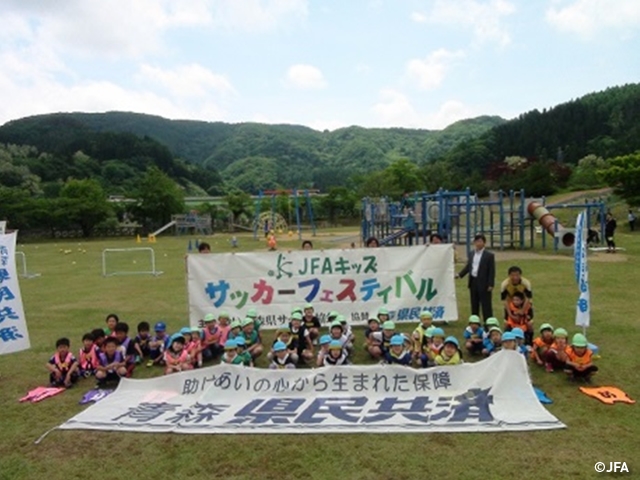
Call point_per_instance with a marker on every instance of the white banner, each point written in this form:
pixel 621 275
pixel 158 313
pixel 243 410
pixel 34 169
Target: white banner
pixel 583 306
pixel 491 395
pixel 356 283
pixel 13 325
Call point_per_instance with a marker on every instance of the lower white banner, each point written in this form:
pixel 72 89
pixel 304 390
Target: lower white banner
pixel 488 396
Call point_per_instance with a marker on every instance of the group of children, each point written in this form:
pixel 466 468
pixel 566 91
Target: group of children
pixel 110 354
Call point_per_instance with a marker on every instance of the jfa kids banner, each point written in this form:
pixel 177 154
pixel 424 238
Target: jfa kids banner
pixel 583 306
pixel 355 283
pixel 13 326
pixel 488 396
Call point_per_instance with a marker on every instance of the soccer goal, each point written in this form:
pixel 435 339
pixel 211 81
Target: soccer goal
pixel 21 266
pixel 129 261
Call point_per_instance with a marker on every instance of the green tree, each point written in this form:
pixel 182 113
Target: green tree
pixel 238 203
pixel 585 175
pixel 84 204
pixel 340 202
pixel 623 173
pixel 158 197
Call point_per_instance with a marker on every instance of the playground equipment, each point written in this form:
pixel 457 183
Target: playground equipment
pixel 272 221
pixel 507 219
pixel 190 223
pixel 550 223
pixel 24 273
pixel 123 258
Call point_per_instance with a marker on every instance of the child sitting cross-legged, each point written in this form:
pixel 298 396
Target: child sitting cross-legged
pixel 230 354
pixel 176 357
pixel 62 366
pixel 111 363
pixel 579 365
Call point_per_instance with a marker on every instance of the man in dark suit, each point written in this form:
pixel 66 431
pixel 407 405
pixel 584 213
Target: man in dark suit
pixel 481 267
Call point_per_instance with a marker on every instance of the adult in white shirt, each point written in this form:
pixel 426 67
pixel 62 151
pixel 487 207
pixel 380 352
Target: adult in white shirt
pixel 481 267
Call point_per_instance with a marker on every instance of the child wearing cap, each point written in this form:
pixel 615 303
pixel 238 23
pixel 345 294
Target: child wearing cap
pixel 346 331
pixel 384 337
pixel 157 344
pixel 418 336
pixel 488 325
pixel 556 356
pixel 62 366
pixel 579 364
pixel 283 335
pixel 252 313
pixel 230 355
pixel 194 347
pixel 210 338
pixel 176 357
pixel 493 343
pixel 435 345
pixel 474 335
pixel 397 353
pixel 323 351
pixel 450 353
pixel 251 338
pixel 301 337
pixel 509 341
pixel 542 343
pixel 311 322
pixel 383 315
pixel 520 345
pixel 337 355
pixel 235 330
pixel 281 357
pixel 336 331
pixel 371 344
pixel 247 361
pixel 223 327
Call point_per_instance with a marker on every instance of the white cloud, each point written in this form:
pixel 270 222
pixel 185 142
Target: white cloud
pixel 258 15
pixel 122 28
pixel 586 17
pixel 483 17
pixel 394 109
pixel 449 112
pixel 430 72
pixel 305 77
pixel 192 80
pixel 419 17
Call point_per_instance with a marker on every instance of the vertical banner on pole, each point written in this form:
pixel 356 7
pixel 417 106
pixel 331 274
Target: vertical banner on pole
pixel 13 326
pixel 583 306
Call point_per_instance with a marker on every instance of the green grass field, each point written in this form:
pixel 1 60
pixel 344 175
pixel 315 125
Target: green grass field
pixel 71 297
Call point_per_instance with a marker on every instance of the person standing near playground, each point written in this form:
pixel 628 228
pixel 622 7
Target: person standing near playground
pixel 481 268
pixel 632 220
pixel 516 283
pixel 609 231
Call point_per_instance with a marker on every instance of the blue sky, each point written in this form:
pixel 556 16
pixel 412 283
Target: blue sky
pixel 325 64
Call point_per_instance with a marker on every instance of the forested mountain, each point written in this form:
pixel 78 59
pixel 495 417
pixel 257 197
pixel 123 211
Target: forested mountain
pixel 252 156
pixel 539 150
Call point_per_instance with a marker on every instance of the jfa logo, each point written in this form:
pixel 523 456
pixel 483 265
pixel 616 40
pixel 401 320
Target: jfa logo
pixel 614 467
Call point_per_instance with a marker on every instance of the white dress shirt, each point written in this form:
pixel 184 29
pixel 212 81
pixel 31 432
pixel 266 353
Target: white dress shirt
pixel 475 264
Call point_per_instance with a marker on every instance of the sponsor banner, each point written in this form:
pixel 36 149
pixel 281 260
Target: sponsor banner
pixel 491 395
pixel 355 283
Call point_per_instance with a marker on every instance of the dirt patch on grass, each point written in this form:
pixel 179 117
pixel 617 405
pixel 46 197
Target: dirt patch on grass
pixel 524 255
